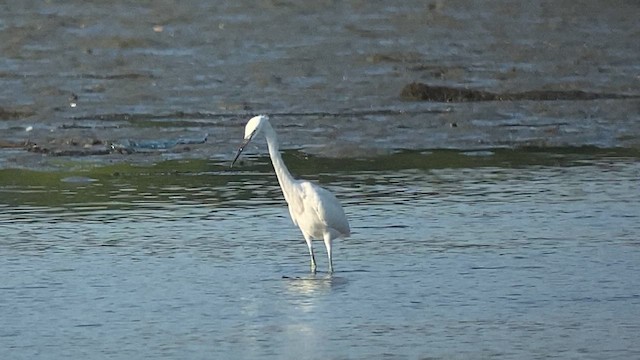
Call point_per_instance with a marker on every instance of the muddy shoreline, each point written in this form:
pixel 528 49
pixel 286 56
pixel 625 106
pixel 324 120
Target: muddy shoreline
pixel 132 82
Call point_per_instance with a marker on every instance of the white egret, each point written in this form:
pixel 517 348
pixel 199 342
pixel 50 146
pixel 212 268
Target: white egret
pixel 315 210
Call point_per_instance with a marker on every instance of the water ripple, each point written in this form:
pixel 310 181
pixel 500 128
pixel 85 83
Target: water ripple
pixel 452 256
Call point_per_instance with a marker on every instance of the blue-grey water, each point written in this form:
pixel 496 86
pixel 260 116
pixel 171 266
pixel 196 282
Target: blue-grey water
pixel 527 261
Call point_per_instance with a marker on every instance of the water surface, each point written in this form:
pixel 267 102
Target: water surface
pixel 534 258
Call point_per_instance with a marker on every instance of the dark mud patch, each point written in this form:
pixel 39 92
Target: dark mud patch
pixel 5 144
pixel 72 148
pixel 424 92
pixel 15 113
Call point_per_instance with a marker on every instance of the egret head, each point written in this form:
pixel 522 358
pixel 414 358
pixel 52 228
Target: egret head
pixel 252 128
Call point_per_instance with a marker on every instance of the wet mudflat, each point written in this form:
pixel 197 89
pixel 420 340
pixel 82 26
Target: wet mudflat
pixel 80 80
pixel 486 154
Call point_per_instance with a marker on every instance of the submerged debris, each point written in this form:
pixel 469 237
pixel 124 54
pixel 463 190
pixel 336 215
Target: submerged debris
pixel 92 146
pixel 130 146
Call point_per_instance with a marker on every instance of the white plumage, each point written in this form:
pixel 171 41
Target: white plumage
pixel 315 210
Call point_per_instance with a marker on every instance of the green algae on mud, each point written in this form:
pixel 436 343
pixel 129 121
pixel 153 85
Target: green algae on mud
pixel 87 183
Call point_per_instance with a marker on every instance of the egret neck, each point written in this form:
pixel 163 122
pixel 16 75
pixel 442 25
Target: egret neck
pixel 286 181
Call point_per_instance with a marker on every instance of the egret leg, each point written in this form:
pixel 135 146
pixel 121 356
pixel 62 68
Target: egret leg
pixel 327 244
pixel 313 259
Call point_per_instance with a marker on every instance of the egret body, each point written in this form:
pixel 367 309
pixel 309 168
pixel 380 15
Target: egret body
pixel 315 210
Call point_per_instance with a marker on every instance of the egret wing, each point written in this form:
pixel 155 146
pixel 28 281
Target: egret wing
pixel 326 207
pixel 295 202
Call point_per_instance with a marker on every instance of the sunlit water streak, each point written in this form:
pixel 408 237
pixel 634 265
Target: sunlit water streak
pixel 532 261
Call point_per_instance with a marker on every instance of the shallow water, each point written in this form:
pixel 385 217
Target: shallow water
pixel 532 257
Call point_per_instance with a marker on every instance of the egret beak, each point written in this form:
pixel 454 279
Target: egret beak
pixel 244 143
